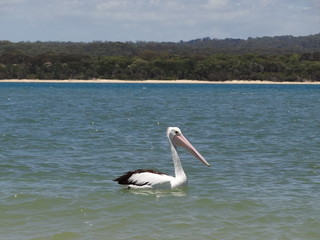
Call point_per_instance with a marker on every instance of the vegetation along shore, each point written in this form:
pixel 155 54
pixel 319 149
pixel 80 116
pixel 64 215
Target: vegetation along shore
pixel 277 59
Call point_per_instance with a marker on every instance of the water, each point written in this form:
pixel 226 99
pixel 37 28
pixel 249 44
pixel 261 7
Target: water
pixel 61 145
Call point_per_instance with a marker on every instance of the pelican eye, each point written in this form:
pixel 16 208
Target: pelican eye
pixel 177 132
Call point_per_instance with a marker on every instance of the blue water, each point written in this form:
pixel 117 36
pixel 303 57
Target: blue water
pixel 61 144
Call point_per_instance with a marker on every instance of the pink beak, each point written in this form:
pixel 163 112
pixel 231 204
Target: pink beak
pixel 180 140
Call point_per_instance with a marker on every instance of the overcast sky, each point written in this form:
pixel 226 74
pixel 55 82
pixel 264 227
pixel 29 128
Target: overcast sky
pixel 155 20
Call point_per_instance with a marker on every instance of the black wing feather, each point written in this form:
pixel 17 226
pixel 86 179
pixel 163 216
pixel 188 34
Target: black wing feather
pixel 125 179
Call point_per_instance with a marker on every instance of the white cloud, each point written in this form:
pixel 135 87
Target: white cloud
pixel 216 4
pixel 110 5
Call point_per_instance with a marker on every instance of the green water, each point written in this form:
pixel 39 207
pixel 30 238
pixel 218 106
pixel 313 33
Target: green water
pixel 62 144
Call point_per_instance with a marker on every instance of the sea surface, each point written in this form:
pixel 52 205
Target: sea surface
pixel 62 144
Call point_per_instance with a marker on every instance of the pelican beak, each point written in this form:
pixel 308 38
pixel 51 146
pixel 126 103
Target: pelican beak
pixel 180 140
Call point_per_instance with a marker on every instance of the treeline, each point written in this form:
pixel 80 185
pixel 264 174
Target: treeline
pixel 150 65
pixel 201 46
pixel 284 58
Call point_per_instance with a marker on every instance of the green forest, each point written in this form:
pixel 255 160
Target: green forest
pixel 284 58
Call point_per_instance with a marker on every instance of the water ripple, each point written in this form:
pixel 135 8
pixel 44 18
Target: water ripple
pixel 61 146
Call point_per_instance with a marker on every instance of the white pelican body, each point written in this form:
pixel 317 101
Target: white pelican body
pixel 147 178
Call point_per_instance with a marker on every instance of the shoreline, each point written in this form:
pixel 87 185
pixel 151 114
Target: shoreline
pixel 185 81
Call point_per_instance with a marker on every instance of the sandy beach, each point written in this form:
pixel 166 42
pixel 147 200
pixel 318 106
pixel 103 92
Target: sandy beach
pixel 157 81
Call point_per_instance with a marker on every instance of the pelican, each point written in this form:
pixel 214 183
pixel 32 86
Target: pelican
pixel 147 178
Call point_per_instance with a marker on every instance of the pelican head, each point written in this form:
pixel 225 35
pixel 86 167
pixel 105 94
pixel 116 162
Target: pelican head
pixel 176 138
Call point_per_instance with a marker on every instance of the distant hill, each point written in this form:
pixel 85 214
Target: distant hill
pixel 203 46
pixel 278 44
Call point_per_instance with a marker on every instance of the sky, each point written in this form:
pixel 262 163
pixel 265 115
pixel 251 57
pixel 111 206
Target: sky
pixel 155 20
